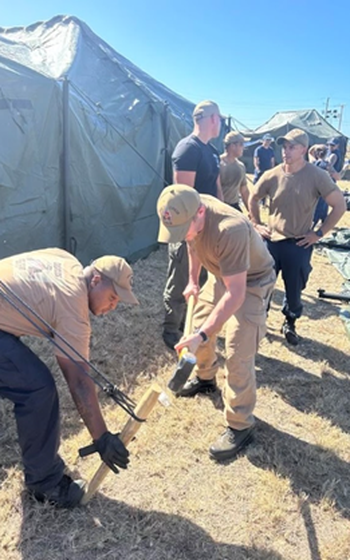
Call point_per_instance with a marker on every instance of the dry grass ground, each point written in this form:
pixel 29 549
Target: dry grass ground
pixel 287 498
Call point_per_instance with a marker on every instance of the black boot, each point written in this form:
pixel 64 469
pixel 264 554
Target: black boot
pixel 230 443
pixel 288 329
pixel 197 385
pixel 66 494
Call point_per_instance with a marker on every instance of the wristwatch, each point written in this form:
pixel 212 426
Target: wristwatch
pixel 319 233
pixel 204 336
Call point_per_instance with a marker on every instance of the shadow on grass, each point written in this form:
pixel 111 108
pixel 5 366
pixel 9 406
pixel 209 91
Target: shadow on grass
pixel 312 470
pixel 110 529
pixel 313 307
pixel 316 350
pixel 326 396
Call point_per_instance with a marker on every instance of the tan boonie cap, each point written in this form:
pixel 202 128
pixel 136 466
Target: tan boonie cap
pixel 233 137
pixel 117 270
pixel 295 136
pixel 176 207
pixel 205 109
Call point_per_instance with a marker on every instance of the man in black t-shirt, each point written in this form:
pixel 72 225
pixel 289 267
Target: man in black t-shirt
pixel 334 156
pixel 196 163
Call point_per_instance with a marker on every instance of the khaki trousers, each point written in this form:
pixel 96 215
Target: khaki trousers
pixel 244 331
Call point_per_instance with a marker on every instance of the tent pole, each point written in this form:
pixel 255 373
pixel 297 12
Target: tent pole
pixel 65 166
pixel 167 162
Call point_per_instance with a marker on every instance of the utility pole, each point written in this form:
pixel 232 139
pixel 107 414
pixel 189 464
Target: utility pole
pixel 326 109
pixel 336 113
pixel 340 116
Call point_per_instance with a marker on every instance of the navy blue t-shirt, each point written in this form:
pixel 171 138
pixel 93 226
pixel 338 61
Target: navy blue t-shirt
pixel 338 164
pixel 265 156
pixel 191 154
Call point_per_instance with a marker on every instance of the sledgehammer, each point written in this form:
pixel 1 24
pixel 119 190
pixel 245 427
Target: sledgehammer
pixel 187 360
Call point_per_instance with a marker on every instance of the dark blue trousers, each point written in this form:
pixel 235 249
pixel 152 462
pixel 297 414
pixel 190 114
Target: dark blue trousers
pixel 294 264
pixel 27 382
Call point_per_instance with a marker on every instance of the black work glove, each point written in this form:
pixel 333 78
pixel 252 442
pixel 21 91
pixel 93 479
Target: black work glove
pixel 112 451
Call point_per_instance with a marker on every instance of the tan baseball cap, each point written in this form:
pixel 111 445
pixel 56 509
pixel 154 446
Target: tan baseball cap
pixel 117 270
pixel 295 136
pixel 176 207
pixel 233 137
pixel 205 109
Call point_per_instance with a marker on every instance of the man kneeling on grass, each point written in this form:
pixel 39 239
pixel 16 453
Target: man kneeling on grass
pixel 61 292
pixel 240 282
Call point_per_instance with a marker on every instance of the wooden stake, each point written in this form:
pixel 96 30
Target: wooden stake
pixel 142 410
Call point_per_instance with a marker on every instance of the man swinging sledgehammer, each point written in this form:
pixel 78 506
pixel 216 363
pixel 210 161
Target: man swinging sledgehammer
pixel 240 282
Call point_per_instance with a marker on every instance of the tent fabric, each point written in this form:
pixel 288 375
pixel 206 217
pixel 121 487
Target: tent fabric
pixel 337 246
pixel 318 129
pixel 86 139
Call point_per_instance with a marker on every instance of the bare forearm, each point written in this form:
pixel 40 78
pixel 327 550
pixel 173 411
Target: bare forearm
pixel 254 211
pixel 85 398
pixel 332 219
pixel 194 265
pixel 245 196
pixel 226 306
pixel 219 191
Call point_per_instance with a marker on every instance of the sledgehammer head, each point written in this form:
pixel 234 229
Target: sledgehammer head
pixel 183 370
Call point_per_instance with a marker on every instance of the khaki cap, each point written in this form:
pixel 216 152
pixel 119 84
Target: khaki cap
pixel 205 109
pixel 117 270
pixel 233 137
pixel 295 136
pixel 176 207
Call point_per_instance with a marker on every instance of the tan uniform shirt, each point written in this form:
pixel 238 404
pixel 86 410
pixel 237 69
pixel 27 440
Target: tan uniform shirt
pixel 293 197
pixel 229 244
pixel 51 282
pixel 233 178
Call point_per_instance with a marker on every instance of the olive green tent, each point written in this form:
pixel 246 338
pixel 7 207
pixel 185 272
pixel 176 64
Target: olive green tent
pixel 309 120
pixel 85 143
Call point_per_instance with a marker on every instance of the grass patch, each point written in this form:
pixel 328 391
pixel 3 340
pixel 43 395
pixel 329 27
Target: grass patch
pixel 286 498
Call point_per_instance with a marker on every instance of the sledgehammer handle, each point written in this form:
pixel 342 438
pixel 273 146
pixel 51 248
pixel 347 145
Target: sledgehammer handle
pixel 189 316
pixel 188 322
pixel 142 410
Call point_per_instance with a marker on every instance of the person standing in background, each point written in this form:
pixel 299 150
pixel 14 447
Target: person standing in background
pixel 294 188
pixel 232 171
pixel 196 163
pixel 334 156
pixel 264 157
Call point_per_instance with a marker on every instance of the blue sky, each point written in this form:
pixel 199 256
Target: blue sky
pixel 254 58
